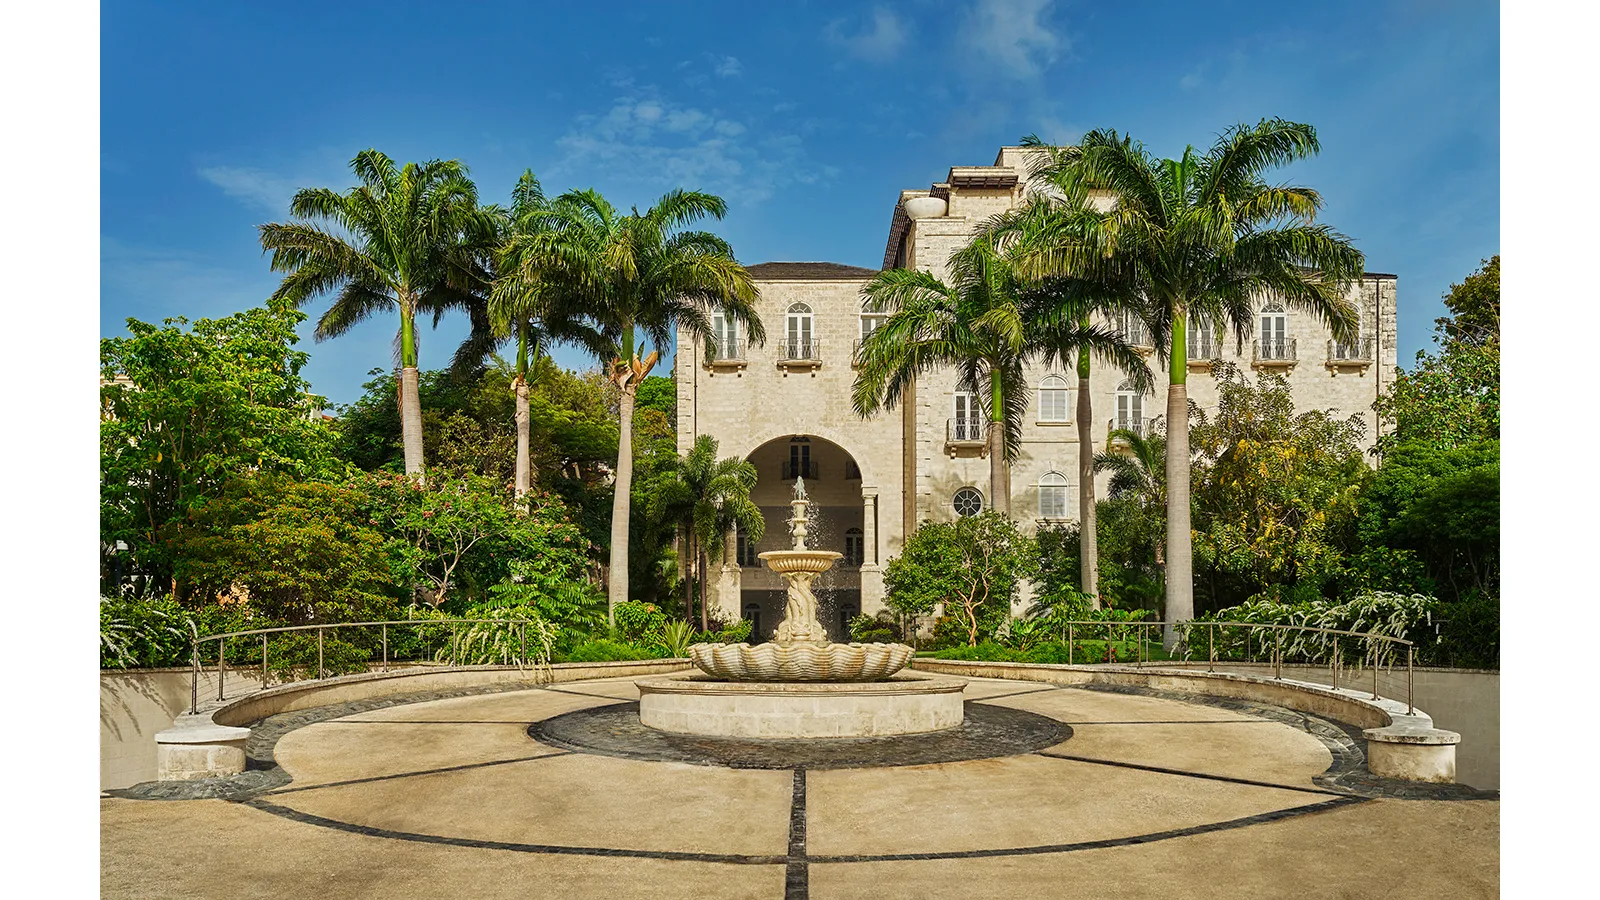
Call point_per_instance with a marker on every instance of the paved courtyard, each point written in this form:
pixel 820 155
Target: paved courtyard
pixel 552 792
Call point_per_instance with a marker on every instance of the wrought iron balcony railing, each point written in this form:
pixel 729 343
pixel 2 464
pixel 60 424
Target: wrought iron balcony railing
pixel 1276 352
pixel 800 350
pixel 723 350
pixel 1141 427
pixel 1357 351
pixel 965 431
pixel 803 469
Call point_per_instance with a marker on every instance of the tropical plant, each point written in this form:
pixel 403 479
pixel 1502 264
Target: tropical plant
pixel 637 276
pixel 405 239
pixel 986 325
pixel 1198 238
pixel 970 568
pixel 706 498
pixel 675 637
pixel 510 634
pixel 186 408
pixel 1138 475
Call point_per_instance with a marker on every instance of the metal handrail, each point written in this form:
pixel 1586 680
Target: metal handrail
pixel 970 429
pixel 801 350
pixel 1273 351
pixel 264 633
pixel 1141 427
pixel 725 350
pixel 1275 652
pixel 1359 351
pixel 805 469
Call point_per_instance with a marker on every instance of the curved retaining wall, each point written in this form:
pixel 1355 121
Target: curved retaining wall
pixel 211 742
pixel 1400 744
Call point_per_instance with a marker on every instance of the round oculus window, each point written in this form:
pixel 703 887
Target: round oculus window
pixel 968 502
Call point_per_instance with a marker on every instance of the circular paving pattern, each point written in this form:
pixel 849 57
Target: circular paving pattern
pixel 566 772
pixel 986 732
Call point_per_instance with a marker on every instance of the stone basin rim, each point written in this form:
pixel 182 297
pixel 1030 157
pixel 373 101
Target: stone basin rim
pixel 700 683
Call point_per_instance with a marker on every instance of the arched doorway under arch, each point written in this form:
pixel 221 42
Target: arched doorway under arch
pixel 837 522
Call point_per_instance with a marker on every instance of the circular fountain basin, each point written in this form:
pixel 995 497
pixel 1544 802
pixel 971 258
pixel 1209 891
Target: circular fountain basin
pixel 909 703
pixel 775 661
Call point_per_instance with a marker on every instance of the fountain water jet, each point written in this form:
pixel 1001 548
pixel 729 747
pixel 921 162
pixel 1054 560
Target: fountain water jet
pixel 800 685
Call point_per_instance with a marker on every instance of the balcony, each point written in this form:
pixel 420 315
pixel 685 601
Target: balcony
pixel 1137 337
pixel 1266 354
pixel 1203 347
pixel 799 354
pixel 1353 355
pixel 804 468
pixel 726 354
pixel 1141 427
pixel 967 434
pixel 855 354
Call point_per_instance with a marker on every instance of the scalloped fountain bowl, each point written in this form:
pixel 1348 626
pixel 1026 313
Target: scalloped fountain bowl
pixel 801 662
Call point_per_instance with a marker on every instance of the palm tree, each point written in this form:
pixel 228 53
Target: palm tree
pixel 510 303
pixel 707 498
pixel 403 240
pixel 985 324
pixel 1139 472
pixel 1201 236
pixel 638 277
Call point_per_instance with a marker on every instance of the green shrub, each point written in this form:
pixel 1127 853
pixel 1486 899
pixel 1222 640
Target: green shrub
pixel 736 633
pixel 637 622
pixel 606 650
pixel 879 629
pixel 293 656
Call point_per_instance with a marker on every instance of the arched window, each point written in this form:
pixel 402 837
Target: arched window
pixel 1130 408
pixel 1132 329
pixel 873 314
pixel 752 611
pixel 967 502
pixel 1053 399
pixel 1053 496
pixel 799 343
pixel 854 547
pixel 1274 332
pixel 1203 340
pixel 725 337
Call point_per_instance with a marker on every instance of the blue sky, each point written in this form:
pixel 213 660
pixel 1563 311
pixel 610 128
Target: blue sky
pixel 808 117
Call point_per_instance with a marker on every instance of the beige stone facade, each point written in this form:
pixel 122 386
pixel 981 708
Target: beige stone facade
pixel 785 405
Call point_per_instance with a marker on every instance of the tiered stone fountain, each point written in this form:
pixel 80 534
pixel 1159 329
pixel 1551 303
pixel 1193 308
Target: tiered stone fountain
pixel 800 685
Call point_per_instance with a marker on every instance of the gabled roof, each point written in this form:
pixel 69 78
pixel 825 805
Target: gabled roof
pixel 808 271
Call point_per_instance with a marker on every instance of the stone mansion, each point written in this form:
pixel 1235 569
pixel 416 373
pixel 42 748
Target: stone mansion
pixel 786 407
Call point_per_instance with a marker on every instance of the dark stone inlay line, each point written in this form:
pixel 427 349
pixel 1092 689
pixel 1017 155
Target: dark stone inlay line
pixel 796 874
pixel 398 775
pixel 1101 844
pixel 1187 774
pixel 987 732
pixel 740 859
pixel 1184 722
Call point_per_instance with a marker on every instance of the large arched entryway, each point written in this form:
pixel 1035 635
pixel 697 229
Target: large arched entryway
pixel 833 484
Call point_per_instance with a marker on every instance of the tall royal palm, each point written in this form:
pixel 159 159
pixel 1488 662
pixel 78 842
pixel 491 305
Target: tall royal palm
pixel 978 324
pixel 707 498
pixel 639 277
pixel 511 303
pixel 400 241
pixel 1200 237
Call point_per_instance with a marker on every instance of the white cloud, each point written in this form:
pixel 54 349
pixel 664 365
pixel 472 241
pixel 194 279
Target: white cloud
pixel 879 42
pixel 669 145
pixel 1012 34
pixel 729 67
pixel 256 187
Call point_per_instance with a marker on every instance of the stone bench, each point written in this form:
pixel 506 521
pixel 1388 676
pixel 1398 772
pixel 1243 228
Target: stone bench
pixel 1412 752
pixel 196 747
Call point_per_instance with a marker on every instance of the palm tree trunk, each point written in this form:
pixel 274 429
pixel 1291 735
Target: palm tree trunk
pixel 705 617
pixel 999 491
pixel 410 401
pixel 618 582
pixel 1088 541
pixel 524 473
pixel 1180 550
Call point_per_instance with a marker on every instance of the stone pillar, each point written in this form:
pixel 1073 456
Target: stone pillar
pixel 729 585
pixel 871 570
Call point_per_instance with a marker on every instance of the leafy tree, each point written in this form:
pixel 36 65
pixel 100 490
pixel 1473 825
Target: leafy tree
pixel 403 240
pixel 981 323
pixel 292 551
pixel 637 276
pixel 187 408
pixel 1440 504
pixel 969 567
pixel 706 498
pixel 1276 492
pixel 1453 397
pixel 1198 237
